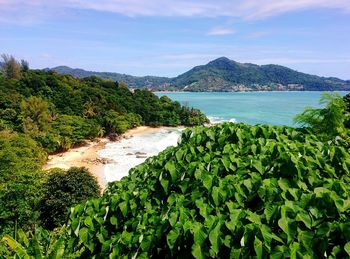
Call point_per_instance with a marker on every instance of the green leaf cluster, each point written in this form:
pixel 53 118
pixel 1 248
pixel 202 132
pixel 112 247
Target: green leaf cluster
pixel 20 181
pixel 231 190
pixel 329 121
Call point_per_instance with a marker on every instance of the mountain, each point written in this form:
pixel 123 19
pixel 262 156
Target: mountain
pixel 223 74
pixel 131 81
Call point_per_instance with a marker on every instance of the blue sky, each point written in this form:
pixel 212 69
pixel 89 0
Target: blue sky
pixel 168 37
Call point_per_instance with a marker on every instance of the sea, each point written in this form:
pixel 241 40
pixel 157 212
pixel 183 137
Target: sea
pixel 276 108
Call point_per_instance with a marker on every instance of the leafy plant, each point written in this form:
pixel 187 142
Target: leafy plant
pixel 231 190
pixel 64 189
pixel 328 121
pixel 38 244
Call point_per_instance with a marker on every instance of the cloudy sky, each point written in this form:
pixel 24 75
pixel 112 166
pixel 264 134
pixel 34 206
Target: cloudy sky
pixel 168 37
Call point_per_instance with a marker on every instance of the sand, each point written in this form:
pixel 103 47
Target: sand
pixel 87 155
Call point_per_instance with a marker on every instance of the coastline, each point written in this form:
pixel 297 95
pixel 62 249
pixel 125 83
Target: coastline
pixel 87 155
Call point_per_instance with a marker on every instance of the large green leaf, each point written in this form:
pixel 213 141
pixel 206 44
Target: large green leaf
pixel 214 237
pixel 172 237
pixel 16 247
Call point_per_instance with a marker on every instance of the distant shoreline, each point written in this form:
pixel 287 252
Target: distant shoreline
pixel 87 155
pixel 274 91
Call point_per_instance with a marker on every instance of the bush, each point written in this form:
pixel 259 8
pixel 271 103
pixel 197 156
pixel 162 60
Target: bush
pixel 329 121
pixel 19 198
pixel 20 181
pixel 119 123
pixel 18 152
pixel 64 189
pixel 229 191
pixel 72 130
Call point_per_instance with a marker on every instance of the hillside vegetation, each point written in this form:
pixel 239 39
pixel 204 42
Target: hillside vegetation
pixel 131 81
pixel 226 191
pixel 44 112
pixel 59 111
pixel 231 190
pixel 223 74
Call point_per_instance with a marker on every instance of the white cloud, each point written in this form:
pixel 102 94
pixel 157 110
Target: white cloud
pixel 17 10
pixel 220 31
pixel 255 9
pixel 289 61
pixel 249 9
pixel 258 34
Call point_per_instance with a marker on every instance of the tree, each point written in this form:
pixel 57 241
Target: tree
pixel 18 152
pixel 346 99
pixel 74 129
pixel 326 122
pixel 119 123
pixel 36 116
pixel 64 189
pixel 89 110
pixel 19 199
pixel 11 67
pixel 24 65
pixel 20 180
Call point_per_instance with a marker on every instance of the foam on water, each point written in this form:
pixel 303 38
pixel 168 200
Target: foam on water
pixel 128 153
pixel 220 119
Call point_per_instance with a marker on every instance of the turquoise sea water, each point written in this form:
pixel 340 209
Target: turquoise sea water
pixel 276 108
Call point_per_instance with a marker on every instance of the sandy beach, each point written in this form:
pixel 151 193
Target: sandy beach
pixel 87 155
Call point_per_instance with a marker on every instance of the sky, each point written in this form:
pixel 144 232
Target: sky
pixel 169 37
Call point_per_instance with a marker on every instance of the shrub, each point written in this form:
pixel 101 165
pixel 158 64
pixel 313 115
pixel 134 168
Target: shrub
pixel 64 189
pixel 20 181
pixel 229 191
pixel 329 121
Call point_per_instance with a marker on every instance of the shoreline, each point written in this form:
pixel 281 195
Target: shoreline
pixel 87 155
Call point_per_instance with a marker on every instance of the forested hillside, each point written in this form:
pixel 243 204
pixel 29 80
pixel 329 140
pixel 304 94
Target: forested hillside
pixel 230 190
pixel 223 74
pixel 131 81
pixel 59 111
pixel 43 112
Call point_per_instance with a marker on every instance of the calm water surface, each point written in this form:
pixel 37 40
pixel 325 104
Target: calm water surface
pixel 278 108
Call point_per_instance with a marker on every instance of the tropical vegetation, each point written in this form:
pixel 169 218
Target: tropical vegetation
pixel 43 112
pixel 230 190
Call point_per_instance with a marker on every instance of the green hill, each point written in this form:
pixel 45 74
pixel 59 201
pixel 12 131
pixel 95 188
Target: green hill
pixel 131 81
pixel 223 74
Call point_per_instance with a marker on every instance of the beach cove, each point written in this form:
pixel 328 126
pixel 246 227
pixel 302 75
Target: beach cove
pixel 111 160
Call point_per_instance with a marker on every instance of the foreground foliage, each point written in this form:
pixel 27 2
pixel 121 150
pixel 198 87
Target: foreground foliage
pixel 228 191
pixel 64 189
pixel 38 244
